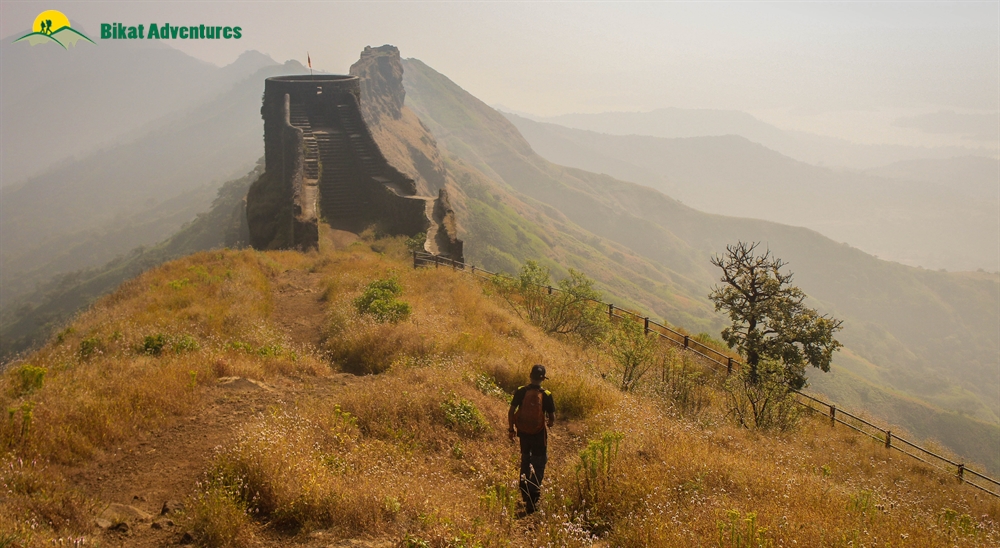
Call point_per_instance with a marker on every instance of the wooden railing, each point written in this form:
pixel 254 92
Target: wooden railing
pixel 724 362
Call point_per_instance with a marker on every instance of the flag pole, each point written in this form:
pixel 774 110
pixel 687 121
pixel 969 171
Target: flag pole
pixel 310 63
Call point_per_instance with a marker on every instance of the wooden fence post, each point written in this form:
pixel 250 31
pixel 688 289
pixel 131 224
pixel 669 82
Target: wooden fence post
pixel 550 290
pixel 647 325
pixel 437 261
pixel 454 264
pixel 729 367
pixel 833 415
pixel 473 270
pixel 611 312
pixel 961 473
pixel 414 258
pixel 888 439
pixel 687 339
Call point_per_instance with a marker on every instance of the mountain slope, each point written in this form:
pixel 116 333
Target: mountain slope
pixel 932 334
pixel 949 221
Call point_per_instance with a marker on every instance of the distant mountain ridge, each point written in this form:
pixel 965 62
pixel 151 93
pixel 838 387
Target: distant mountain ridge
pixel 928 212
pixel 89 97
pixel 807 147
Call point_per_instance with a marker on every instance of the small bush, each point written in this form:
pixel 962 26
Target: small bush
pixel 633 351
pixel 379 300
pixel 682 385
pixel 416 243
pixel 568 310
pixel 187 343
pixel 463 416
pixel 30 378
pixel 153 344
pixel 763 401
pixel 593 472
pixel 220 518
pixel 90 346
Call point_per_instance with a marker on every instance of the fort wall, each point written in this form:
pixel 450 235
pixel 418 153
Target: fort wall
pixel 323 165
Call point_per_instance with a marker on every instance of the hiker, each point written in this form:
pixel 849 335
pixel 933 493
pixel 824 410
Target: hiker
pixel 530 410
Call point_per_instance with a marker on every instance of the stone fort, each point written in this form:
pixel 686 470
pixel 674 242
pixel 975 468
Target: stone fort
pixel 323 165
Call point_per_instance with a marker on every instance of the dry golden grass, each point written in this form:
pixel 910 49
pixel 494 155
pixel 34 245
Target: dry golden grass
pixel 415 448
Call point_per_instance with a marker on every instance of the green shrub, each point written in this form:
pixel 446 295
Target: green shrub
pixel 742 532
pixel 416 243
pixel 593 472
pixel 463 416
pixel 569 310
pixel 153 344
pixel 379 300
pixel 30 378
pixel 90 346
pixel 633 351
pixel 185 344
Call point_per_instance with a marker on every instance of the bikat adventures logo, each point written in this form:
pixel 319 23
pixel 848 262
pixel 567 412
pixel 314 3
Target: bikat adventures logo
pixel 53 26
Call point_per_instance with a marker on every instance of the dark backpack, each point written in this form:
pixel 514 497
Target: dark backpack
pixel 530 416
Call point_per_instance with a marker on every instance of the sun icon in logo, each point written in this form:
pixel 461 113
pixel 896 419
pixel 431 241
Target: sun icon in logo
pixel 49 22
pixel 53 26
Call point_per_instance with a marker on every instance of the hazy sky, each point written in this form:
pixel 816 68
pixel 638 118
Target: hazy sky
pixel 905 72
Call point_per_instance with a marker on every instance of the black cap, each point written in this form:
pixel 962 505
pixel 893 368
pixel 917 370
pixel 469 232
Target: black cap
pixel 538 372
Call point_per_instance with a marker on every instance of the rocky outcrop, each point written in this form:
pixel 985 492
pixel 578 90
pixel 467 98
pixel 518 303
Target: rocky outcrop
pixel 406 142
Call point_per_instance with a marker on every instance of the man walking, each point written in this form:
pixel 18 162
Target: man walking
pixel 532 412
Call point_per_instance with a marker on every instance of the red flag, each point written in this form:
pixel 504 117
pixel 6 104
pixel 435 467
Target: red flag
pixel 309 60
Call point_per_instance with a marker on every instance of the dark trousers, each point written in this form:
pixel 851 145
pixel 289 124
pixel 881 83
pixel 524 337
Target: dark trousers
pixel 533 458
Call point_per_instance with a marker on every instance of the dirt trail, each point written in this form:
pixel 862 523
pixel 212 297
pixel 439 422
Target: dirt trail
pixel 166 465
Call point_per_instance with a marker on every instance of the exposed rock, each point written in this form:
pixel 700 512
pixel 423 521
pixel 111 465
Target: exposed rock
pixel 171 506
pixel 162 523
pixel 381 75
pixel 241 383
pixel 186 538
pixel 120 527
pixel 103 523
pixel 123 512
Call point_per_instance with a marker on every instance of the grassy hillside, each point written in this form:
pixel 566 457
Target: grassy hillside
pixel 932 334
pixel 934 213
pixel 223 381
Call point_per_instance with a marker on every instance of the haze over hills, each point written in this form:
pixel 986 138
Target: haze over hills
pixel 57 104
pixel 84 212
pixel 928 212
pixel 807 147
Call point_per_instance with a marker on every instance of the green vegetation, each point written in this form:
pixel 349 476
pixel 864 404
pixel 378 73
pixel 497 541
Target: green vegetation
pixel 769 321
pixel 567 309
pixel 379 301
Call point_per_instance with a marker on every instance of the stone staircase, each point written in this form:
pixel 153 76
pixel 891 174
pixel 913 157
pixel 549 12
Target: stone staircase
pixel 361 141
pixel 340 190
pixel 301 119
